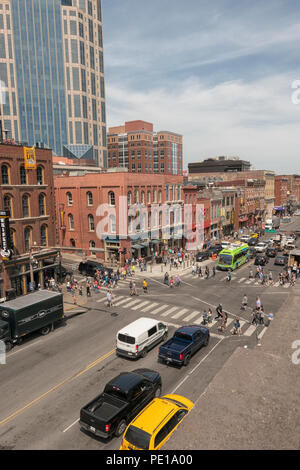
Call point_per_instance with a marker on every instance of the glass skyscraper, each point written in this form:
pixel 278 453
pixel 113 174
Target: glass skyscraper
pixel 52 71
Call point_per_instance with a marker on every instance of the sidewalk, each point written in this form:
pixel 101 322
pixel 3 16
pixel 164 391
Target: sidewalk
pixel 253 402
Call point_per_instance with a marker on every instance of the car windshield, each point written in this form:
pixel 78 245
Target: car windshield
pixel 138 438
pixel 225 259
pixel 183 336
pixel 178 403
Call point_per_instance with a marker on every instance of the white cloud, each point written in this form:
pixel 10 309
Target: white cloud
pixel 256 120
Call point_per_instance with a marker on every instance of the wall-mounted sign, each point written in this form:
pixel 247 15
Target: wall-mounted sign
pixel 29 158
pixel 5 250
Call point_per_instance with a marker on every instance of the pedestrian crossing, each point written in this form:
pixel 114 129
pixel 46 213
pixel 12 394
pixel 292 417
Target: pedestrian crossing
pixel 243 280
pixel 166 312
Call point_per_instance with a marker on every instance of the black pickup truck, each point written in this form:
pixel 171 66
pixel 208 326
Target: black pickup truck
pixel 185 342
pixel 122 399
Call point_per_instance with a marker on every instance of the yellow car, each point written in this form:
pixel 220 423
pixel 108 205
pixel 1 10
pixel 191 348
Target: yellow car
pixel 153 426
pixel 254 235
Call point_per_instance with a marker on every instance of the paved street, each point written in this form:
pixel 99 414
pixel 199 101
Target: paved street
pixel 48 379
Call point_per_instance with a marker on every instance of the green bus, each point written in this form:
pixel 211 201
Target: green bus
pixel 233 257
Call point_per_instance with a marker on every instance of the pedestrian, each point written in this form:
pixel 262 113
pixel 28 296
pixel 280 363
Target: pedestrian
pixel 166 279
pixel 109 298
pixel 205 318
pixel 209 316
pixel 171 281
pixel 254 317
pixel 145 286
pixel 270 277
pixel 200 272
pixel 244 302
pixel 178 281
pixel 229 276
pixel 207 272
pixel 219 311
pixel 258 303
pixel 88 290
pixel 131 288
pixel 74 299
pixel 261 315
pixel 237 327
pixel 214 271
pixel 250 274
pixel 193 269
pixel 80 290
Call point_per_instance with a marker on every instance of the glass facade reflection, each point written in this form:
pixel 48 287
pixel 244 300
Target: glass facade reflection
pixel 40 70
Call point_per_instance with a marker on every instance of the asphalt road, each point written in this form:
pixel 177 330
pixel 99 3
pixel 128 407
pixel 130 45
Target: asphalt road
pixel 48 379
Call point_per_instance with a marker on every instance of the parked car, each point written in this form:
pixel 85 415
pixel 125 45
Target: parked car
pixel 254 235
pixel 185 342
pixel 261 260
pixel 225 245
pixel 261 247
pixel 202 255
pixel 297 213
pixel 122 399
pixel 90 267
pixel 252 252
pixel 281 260
pixel 271 252
pixel 155 423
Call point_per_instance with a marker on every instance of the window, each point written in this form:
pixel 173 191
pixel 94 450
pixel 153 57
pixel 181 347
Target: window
pixel 42 204
pixel 159 195
pixel 112 223
pixel 129 198
pixel 73 28
pixel 136 196
pixel 89 198
pixel 111 198
pixel 91 31
pixel 82 53
pixel 40 175
pixel 92 57
pixel 81 30
pixel 83 80
pixel 25 205
pixel 93 84
pixel 23 175
pixel 152 331
pixel 27 238
pixel 74 51
pixel 148 197
pixel 84 107
pixel 92 245
pixel 161 435
pixel 154 195
pixel 71 222
pixel 143 197
pixel 91 223
pixel 7 203
pixel 44 238
pixel 72 242
pixel 70 199
pixel 5 174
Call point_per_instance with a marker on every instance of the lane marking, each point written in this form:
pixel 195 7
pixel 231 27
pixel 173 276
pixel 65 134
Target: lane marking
pixel 67 429
pixel 140 305
pixel 56 387
pixel 192 315
pixel 250 330
pixel 203 359
pixel 172 309
pixel 162 307
pixel 152 305
pixel 262 332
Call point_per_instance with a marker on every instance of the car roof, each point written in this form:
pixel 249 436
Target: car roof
pixel 138 326
pixel 154 414
pixel 189 329
pixel 126 381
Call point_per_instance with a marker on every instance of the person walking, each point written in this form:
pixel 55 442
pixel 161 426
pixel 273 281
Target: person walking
pixel 145 286
pixel 261 316
pixel 88 290
pixel 178 281
pixel 207 272
pixel 205 318
pixel 131 288
pixel 171 282
pixel 166 279
pixel 209 316
pixel 254 317
pixel 109 299
pixel 219 311
pixel 236 327
pixel 214 271
pixel 229 276
pixel 193 270
pixel 244 302
pixel 258 303
pixel 200 272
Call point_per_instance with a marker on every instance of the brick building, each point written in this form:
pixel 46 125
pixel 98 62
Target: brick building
pixel 293 192
pixel 87 227
pixel 281 193
pixel 27 196
pixel 192 196
pixel 137 147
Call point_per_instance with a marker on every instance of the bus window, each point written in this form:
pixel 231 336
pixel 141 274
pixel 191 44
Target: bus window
pixel 225 259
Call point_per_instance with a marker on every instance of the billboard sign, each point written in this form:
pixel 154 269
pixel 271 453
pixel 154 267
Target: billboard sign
pixel 5 248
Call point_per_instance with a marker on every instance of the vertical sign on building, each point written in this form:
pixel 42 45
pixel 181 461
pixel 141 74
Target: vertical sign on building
pixel 5 250
pixel 29 158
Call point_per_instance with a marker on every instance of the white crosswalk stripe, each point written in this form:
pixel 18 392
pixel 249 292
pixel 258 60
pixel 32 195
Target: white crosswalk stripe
pixel 286 286
pixel 276 284
pixel 241 280
pixel 101 300
pixel 132 302
pixel 122 302
pixel 192 315
pixel 250 330
pixel 159 309
pixel 180 313
pixel 152 305
pixel 262 332
pixel 140 305
pixel 169 311
pixel 249 281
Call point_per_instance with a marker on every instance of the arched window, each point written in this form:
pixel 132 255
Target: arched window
pixel 27 238
pixel 42 204
pixel 44 235
pixel 23 175
pixel 129 198
pixel 143 197
pixel 40 175
pixel 91 223
pixel 13 239
pixel 7 202
pixel 148 197
pixel 154 195
pixel 111 198
pixel 136 196
pixel 4 174
pixel 70 199
pixel 89 197
pixel 71 222
pixel 149 219
pixel 159 195
pixel 25 205
pixel 160 218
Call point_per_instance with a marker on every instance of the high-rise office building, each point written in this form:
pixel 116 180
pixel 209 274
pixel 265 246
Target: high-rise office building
pixel 52 71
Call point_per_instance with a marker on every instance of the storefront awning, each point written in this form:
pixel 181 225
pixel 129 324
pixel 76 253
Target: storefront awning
pixel 154 242
pixel 279 208
pixel 136 247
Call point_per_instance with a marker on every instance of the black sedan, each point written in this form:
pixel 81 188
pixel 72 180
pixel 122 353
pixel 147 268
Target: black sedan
pixel 252 242
pixel 261 260
pixel 202 255
pixel 252 252
pixel 214 250
pixel 271 252
pixel 281 260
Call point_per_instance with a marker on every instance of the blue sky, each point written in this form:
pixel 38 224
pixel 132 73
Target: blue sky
pixel 218 72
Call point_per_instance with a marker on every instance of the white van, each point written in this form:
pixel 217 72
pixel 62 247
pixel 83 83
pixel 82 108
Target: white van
pixel 138 337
